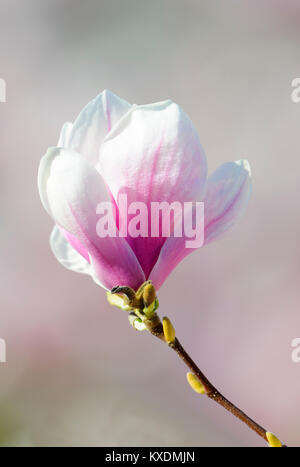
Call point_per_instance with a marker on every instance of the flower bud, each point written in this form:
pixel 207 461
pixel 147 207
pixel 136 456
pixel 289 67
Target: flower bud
pixel 273 440
pixel 169 331
pixel 149 295
pixel 121 301
pixel 136 322
pixel 195 383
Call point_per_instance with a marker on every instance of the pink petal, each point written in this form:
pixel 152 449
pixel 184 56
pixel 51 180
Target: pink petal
pixel 70 189
pixel 153 154
pixel 227 193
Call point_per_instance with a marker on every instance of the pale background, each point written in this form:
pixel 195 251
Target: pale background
pixel 77 373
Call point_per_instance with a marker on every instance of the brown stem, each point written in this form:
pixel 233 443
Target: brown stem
pixel 210 390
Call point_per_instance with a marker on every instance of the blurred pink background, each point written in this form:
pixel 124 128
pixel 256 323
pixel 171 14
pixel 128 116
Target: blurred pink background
pixel 76 372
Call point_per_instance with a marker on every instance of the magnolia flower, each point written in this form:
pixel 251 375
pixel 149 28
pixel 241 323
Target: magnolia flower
pixel 150 153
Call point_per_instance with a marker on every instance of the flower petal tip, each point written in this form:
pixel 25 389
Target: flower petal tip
pixel 244 163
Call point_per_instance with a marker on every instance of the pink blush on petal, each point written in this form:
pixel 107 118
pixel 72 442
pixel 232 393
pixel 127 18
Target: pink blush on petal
pixel 75 243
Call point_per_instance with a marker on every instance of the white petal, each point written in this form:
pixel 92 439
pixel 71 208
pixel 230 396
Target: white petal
pixel 94 122
pixel 227 193
pixel 154 153
pixel 65 134
pixel 44 175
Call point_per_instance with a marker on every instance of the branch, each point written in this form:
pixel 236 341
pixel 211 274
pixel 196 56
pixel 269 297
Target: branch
pixel 166 333
pixel 144 304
